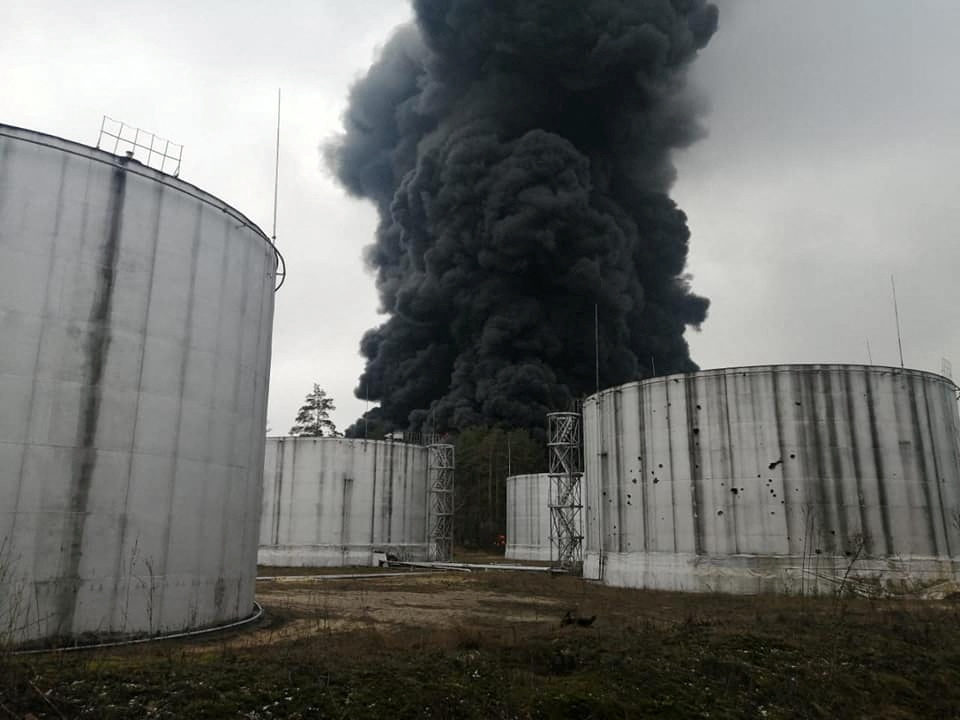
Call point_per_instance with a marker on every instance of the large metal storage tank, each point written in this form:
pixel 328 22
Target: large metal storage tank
pixel 528 517
pixel 136 314
pixel 334 502
pixel 780 478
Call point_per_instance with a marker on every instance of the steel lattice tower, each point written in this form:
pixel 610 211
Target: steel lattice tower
pixel 566 470
pixel 440 470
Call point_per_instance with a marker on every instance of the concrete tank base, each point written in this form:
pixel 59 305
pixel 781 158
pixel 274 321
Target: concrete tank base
pixel 930 578
pixel 337 555
pixel 534 553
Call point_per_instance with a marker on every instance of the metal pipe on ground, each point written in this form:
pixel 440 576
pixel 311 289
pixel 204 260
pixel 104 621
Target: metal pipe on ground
pixel 469 567
pixel 351 576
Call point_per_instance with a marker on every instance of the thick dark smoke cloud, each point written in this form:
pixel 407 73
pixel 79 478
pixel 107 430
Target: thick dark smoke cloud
pixel 518 152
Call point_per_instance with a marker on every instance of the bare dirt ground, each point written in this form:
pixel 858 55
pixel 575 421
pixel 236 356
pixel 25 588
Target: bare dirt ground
pixel 420 602
pixel 492 645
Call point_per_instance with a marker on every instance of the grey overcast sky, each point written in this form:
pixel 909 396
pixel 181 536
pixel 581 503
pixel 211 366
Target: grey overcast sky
pixel 832 162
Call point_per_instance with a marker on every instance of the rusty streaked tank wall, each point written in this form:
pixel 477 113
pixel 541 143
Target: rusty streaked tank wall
pixel 334 502
pixel 528 517
pixel 794 478
pixel 136 313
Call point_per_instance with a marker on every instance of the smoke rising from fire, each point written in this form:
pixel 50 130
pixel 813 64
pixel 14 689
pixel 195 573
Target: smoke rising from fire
pixel 518 154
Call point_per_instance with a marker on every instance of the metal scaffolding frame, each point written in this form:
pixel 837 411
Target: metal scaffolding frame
pixel 440 470
pixel 564 435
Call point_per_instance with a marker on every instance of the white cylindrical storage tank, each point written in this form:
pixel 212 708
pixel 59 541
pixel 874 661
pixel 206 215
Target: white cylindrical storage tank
pixel 334 502
pixel 136 314
pixel 528 517
pixel 776 479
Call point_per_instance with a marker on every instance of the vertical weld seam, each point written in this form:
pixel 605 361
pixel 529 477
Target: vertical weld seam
pixel 617 459
pixel 250 469
pixel 31 401
pixel 758 445
pixel 920 456
pixel 786 467
pixel 934 446
pixel 726 430
pixel 345 506
pixel 373 491
pixel 184 362
pixel 215 410
pixel 879 467
pixel 291 481
pixel 811 410
pixel 96 350
pixel 904 454
pixel 118 565
pixel 277 489
pixel 836 466
pixel 673 490
pixel 852 425
pixel 92 179
pixel 235 469
pixel 388 505
pixel 237 365
pixel 696 474
pixel 619 455
pixel 641 471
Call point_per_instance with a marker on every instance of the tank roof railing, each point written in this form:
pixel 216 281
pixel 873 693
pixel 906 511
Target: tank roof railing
pixel 160 152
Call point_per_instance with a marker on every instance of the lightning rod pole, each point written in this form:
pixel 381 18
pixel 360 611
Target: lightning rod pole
pixel 896 314
pixel 276 172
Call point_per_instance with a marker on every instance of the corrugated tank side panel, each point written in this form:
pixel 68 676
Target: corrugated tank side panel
pixel 775 478
pixel 343 500
pixel 124 502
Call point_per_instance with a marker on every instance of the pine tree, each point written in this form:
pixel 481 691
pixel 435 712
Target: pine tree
pixel 313 420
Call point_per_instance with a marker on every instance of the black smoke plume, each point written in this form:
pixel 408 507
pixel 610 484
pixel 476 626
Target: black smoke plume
pixel 518 153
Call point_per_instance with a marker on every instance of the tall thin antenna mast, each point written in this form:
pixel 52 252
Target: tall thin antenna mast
pixel 276 176
pixel 896 314
pixel 869 354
